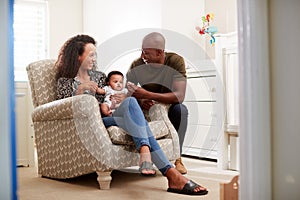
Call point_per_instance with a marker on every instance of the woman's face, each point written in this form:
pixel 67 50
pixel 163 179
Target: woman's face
pixel 89 56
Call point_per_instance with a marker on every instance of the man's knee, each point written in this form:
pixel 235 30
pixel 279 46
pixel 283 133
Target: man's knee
pixel 178 109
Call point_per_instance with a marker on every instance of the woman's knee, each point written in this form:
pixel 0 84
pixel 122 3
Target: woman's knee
pixel 132 101
pixel 133 104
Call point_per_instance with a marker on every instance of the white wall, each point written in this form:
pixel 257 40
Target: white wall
pixel 285 95
pixel 183 17
pixel 65 21
pixel 120 31
pixel 225 14
pixel 225 19
pixel 105 19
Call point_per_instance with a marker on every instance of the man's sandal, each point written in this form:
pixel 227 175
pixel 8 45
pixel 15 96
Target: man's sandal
pixel 148 166
pixel 188 189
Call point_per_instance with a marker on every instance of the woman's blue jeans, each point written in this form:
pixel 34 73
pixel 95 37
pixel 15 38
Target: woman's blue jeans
pixel 130 117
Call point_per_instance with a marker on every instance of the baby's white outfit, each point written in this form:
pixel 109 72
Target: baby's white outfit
pixel 108 92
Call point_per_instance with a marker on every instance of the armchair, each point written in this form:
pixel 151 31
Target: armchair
pixel 71 142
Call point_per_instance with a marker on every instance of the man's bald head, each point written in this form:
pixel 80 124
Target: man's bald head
pixel 154 40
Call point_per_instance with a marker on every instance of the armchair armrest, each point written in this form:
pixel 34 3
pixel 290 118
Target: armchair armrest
pixel 158 111
pixel 59 109
pixel 68 108
pixel 75 119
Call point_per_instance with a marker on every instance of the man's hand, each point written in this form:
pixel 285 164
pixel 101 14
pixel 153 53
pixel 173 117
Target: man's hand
pixel 136 91
pixel 146 104
pixel 141 94
pixel 131 88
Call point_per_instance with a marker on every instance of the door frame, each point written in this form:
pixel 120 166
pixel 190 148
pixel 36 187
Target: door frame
pixel 255 119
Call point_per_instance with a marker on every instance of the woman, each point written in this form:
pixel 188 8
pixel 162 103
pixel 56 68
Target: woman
pixel 76 75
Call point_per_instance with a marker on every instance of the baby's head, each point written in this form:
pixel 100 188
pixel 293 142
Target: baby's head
pixel 115 80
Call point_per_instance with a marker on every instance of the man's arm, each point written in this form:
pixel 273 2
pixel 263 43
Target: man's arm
pixel 177 96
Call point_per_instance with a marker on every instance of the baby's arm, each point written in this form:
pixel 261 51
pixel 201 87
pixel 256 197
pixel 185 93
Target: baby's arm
pixel 105 110
pixel 100 91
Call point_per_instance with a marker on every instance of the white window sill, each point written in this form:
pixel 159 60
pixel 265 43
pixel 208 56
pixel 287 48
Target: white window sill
pixel 20 76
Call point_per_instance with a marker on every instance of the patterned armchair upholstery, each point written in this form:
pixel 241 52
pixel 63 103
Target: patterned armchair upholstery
pixel 71 139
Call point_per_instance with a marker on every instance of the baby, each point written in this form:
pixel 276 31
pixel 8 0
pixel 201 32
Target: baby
pixel 114 86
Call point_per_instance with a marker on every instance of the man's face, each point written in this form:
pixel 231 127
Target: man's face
pixel 150 55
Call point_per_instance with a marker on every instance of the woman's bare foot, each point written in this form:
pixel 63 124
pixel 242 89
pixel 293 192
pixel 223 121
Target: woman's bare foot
pixel 177 181
pixel 145 156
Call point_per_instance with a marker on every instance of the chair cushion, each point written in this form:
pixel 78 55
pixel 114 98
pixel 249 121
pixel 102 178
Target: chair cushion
pixel 120 136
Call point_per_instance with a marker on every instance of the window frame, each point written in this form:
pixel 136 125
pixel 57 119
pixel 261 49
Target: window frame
pixel 20 44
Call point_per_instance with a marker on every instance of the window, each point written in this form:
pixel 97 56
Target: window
pixel 30 32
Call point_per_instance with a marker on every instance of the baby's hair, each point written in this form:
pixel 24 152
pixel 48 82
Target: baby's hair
pixel 113 73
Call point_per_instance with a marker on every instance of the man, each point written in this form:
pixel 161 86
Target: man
pixel 162 77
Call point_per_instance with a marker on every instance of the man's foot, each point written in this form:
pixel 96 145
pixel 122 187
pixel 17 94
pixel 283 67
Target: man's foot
pixel 179 166
pixel 181 185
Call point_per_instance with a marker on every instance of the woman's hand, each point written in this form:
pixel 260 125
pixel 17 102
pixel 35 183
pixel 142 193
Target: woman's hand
pixel 89 85
pixel 100 91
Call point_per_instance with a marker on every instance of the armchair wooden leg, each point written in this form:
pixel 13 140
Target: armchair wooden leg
pixel 230 191
pixel 104 179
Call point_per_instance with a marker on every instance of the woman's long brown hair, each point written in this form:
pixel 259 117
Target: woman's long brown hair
pixel 67 64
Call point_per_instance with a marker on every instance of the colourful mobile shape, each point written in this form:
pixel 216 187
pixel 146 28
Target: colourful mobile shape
pixel 206 28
